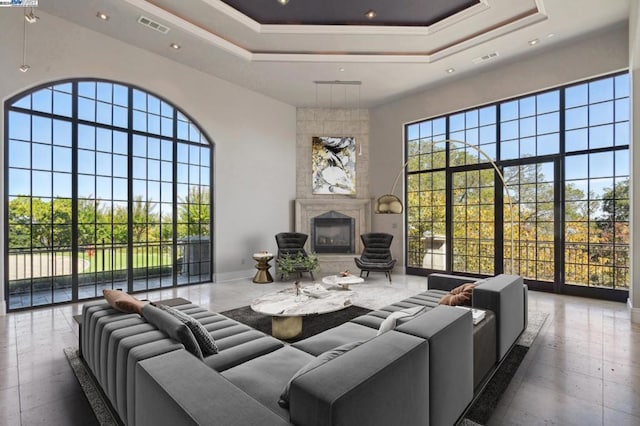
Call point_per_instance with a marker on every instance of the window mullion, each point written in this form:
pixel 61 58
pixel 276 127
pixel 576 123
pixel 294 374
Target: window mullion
pixel 74 193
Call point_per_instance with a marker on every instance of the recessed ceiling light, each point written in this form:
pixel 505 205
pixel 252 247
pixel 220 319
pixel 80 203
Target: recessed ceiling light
pixel 102 16
pixel 31 17
pixel 550 35
pixel 371 14
pixel 451 70
pixel 283 2
pixel 341 69
pixel 175 46
pixel 534 42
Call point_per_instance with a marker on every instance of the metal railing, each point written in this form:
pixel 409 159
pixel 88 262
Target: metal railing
pixel 588 264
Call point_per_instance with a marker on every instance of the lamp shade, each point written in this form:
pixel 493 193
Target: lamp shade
pixel 388 204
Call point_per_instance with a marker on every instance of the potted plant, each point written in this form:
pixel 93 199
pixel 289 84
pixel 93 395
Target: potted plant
pixel 299 262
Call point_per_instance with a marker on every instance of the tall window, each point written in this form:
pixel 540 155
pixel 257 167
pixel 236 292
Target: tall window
pixel 563 221
pixel 107 186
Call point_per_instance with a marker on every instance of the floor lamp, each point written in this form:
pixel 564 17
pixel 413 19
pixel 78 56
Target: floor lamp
pixel 391 204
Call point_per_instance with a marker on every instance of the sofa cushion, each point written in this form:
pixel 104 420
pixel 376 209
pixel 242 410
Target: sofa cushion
pixel 173 327
pixel 206 343
pixel 449 331
pixel 315 363
pixel 264 377
pixel 390 322
pixel 337 336
pixel 459 296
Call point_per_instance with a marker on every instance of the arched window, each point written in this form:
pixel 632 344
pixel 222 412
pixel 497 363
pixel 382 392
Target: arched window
pixel 106 186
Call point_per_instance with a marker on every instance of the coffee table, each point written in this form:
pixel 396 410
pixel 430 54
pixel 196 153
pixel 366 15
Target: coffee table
pixel 342 281
pixel 287 309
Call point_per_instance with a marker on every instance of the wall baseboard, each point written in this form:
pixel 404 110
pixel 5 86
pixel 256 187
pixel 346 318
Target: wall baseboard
pixel 234 275
pixel 635 312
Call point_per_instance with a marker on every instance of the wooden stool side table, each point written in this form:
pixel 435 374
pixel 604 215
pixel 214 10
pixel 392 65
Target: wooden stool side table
pixel 262 275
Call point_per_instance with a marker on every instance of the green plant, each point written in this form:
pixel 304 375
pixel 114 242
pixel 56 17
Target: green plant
pixel 298 262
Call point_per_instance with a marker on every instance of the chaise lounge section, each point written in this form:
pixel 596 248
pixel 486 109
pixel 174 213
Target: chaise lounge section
pixel 151 379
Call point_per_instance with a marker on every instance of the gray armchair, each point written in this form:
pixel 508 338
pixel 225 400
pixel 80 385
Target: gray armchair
pixel 291 244
pixel 376 255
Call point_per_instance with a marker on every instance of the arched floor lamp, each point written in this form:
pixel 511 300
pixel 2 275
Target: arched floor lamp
pixel 391 204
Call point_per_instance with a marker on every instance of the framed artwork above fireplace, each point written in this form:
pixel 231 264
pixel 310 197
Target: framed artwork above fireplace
pixel 333 165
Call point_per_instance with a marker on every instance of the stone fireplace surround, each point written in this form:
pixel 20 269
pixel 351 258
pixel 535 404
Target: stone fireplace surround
pixel 321 121
pixel 357 208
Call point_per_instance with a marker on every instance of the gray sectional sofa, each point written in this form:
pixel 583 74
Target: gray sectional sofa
pixel 424 372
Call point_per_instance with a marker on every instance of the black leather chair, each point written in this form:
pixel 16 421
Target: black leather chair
pixel 376 256
pixel 291 244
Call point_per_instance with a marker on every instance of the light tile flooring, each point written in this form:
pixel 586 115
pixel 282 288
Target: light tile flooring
pixel 583 369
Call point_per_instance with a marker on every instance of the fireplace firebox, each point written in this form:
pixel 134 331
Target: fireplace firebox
pixel 333 232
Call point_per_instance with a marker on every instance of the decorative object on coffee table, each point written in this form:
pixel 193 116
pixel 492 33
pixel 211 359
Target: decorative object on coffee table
pixel 262 275
pixel 287 309
pixel 342 281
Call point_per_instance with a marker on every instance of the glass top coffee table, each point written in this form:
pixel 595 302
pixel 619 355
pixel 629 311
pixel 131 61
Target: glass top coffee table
pixel 287 309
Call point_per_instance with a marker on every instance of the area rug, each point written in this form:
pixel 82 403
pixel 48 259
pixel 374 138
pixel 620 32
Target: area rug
pixel 486 403
pixel 96 398
pixel 479 413
pixel 311 324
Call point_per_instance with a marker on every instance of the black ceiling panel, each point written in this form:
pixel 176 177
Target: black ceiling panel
pixel 350 12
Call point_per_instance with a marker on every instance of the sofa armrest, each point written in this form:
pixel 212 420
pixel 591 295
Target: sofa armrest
pixel 384 381
pixel 449 331
pixel 447 282
pixel 505 295
pixel 178 389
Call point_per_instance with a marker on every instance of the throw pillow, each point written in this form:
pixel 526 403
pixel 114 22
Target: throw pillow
pixel 390 322
pixel 321 359
pixel 123 302
pixel 205 341
pixel 459 296
pixel 173 327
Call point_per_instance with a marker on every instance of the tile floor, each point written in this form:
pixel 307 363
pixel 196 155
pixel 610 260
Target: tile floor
pixel 583 369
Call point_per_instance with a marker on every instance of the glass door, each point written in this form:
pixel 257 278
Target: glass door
pixel 532 192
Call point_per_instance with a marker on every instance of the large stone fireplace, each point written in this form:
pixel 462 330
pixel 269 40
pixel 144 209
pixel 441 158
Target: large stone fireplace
pixel 312 122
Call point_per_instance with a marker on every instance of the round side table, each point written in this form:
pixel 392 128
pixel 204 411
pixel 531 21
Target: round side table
pixel 262 276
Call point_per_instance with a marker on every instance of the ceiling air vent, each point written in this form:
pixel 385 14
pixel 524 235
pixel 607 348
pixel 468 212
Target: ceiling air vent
pixel 486 57
pixel 143 20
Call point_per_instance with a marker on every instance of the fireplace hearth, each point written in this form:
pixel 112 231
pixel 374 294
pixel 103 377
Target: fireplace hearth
pixel 333 232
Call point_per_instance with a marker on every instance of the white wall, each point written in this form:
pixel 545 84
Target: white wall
pixel 591 56
pixel 254 135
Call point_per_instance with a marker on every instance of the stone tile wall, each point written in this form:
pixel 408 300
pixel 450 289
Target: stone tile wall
pixel 331 122
pixel 313 122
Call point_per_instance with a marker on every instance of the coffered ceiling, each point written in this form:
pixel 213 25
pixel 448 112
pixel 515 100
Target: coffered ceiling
pixel 353 12
pixel 281 50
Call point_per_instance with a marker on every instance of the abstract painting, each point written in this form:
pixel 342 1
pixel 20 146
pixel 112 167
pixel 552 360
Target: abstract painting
pixel 333 165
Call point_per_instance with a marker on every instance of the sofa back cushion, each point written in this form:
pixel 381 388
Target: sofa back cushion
pixel 383 381
pixel 315 363
pixel 449 331
pixel 505 295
